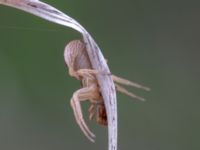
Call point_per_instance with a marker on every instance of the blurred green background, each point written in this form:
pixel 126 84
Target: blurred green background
pixel 155 43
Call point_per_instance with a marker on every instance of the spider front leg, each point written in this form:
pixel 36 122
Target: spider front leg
pixel 89 73
pixel 82 95
pixel 129 83
pixel 121 89
pixel 83 72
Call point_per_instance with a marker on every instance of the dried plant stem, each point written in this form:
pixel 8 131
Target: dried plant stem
pixel 107 87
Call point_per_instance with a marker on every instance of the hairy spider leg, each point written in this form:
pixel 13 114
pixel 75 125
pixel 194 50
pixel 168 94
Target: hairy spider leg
pixel 121 89
pixel 129 83
pixel 83 95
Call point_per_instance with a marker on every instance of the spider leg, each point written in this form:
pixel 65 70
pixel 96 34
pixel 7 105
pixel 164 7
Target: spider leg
pixel 91 111
pixel 82 72
pixel 128 83
pixel 87 72
pixel 125 91
pixel 82 95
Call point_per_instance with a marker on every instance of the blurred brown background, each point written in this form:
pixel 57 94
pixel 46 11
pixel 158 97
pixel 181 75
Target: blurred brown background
pixel 155 43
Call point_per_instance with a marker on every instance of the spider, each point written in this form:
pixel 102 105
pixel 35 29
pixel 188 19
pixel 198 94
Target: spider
pixel 78 62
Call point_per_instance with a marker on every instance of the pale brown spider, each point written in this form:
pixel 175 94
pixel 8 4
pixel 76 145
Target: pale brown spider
pixel 80 67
